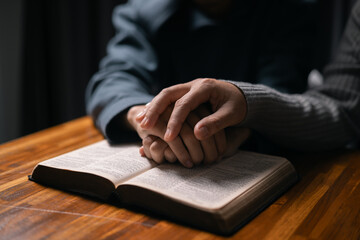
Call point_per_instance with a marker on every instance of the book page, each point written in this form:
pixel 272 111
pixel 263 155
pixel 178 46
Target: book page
pixel 114 162
pixel 210 186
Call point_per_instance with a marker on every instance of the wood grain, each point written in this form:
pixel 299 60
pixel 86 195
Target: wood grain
pixel 325 204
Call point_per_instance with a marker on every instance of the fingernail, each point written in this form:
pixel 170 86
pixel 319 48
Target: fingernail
pixel 204 132
pixel 141 114
pixel 188 164
pixel 144 122
pixel 141 151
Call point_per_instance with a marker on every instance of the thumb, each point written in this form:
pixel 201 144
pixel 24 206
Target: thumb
pixel 213 123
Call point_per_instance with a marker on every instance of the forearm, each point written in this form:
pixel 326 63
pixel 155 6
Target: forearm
pixel 320 119
pixel 126 74
pixel 108 99
pixel 306 122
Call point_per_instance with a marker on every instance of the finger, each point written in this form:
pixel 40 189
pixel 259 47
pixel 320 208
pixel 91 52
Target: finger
pixel 141 151
pixel 209 145
pixel 140 116
pixel 147 141
pixel 157 149
pixel 181 153
pixel 208 126
pixel 210 150
pixel 229 107
pixel 221 142
pixel 167 113
pixel 198 94
pixel 160 127
pixel 220 136
pixel 177 146
pixel 192 144
pixel 169 155
pixel 158 105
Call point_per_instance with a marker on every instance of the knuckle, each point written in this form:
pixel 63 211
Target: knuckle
pixel 158 160
pixel 155 146
pixel 182 103
pixel 147 141
pixel 183 106
pixel 170 157
pixel 153 111
pixel 165 92
pixel 208 82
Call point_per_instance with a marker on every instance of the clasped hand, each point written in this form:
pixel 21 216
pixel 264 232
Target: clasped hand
pixel 185 147
pixel 188 111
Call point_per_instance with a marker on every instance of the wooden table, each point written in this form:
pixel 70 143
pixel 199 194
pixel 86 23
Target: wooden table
pixel 325 204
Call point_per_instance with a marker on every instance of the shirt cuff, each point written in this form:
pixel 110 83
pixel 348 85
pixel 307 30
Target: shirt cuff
pixel 109 122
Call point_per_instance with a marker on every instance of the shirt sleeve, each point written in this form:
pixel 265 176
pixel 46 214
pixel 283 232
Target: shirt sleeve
pixel 126 74
pixel 324 118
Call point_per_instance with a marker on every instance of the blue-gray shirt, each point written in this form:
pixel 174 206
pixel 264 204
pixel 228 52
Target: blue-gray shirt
pixel 159 43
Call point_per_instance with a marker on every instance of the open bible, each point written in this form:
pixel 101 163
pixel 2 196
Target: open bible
pixel 218 197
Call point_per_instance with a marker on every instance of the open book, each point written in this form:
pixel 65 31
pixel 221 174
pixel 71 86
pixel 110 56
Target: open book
pixel 218 197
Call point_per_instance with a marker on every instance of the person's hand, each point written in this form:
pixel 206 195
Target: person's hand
pixel 186 148
pixel 158 130
pixel 212 148
pixel 157 149
pixel 227 102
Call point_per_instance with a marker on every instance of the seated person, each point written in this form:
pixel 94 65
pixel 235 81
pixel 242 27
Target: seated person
pixel 161 43
pixel 323 118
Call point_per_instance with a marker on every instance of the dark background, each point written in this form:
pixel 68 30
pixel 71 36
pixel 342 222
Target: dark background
pixel 62 42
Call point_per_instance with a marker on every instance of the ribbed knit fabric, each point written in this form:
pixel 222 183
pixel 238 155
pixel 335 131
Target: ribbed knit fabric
pixel 324 118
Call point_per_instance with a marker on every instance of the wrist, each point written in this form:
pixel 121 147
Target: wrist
pixel 240 100
pixel 130 116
